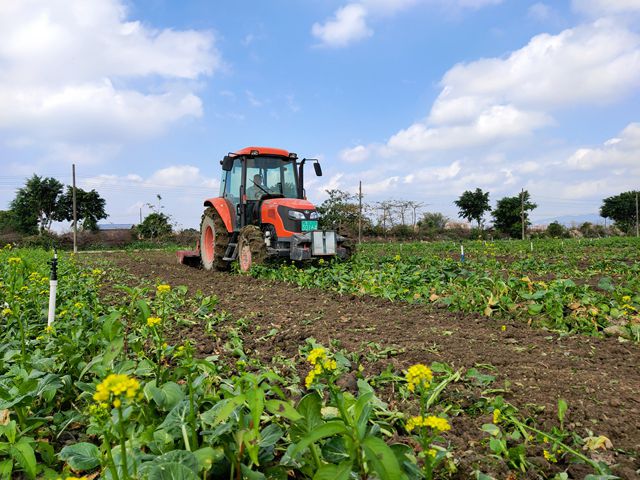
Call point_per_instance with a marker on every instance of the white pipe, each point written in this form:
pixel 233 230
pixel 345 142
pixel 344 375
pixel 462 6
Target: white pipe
pixel 53 287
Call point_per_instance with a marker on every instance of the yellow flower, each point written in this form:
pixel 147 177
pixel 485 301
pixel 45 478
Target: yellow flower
pixel 311 376
pixel 316 354
pixel 503 328
pixel 164 288
pixel 117 403
pixel 153 321
pixel 397 258
pixel 78 305
pixel 329 365
pixel 78 478
pixel 497 415
pixel 418 375
pixel 14 260
pixel 96 271
pixel 6 312
pixel 549 456
pixel 626 298
pixel 117 385
pixel 432 452
pixel 49 329
pixel 436 423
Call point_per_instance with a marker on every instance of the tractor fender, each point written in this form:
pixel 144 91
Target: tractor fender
pixel 224 209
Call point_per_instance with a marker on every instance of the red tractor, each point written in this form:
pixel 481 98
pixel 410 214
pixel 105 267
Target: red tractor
pixel 262 212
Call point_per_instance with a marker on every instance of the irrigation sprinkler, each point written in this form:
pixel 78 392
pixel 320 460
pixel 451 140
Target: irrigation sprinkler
pixel 53 287
pixel 462 253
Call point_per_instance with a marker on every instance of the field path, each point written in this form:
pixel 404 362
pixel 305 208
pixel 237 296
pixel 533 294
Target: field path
pixel 600 378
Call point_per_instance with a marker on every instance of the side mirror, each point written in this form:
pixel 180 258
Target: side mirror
pixel 318 169
pixel 227 163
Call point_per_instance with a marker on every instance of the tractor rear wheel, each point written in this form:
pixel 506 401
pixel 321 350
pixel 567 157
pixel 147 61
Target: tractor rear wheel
pixel 251 248
pixel 214 239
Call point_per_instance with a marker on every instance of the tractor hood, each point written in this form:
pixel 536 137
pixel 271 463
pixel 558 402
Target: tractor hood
pixel 294 203
pixel 289 215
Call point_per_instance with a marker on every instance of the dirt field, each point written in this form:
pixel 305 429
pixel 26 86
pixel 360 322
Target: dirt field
pixel 599 378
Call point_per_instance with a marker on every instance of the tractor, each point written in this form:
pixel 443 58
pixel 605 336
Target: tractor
pixel 262 213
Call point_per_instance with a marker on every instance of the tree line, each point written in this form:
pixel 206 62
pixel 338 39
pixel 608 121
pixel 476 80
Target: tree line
pixel 43 200
pixel 509 218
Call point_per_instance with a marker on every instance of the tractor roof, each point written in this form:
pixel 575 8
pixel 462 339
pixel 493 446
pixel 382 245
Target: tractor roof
pixel 263 151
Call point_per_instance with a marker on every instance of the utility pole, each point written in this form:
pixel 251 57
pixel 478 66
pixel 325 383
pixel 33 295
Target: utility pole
pixel 75 212
pixel 140 214
pixel 637 230
pixel 522 211
pixel 360 213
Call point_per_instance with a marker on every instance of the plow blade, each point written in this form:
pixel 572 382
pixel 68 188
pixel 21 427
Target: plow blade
pixel 189 257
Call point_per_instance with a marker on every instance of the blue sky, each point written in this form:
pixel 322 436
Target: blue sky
pixel 419 99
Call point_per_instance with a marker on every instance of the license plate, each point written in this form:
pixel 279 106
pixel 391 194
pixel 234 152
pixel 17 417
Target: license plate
pixel 308 225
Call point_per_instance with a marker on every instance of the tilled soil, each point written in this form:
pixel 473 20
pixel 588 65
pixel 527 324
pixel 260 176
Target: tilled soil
pixel 599 378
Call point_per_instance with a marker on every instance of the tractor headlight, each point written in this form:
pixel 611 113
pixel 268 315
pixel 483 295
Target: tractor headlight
pixel 295 215
pixel 314 215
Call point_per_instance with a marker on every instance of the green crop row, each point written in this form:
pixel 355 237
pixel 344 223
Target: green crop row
pixel 566 285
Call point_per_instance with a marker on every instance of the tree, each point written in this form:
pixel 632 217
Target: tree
pixel 89 205
pixel 35 204
pixel 621 209
pixel 155 225
pixel 556 230
pixel 339 211
pixel 473 205
pixel 506 215
pixel 432 222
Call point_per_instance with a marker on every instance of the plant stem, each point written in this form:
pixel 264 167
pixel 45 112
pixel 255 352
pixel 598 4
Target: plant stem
pixel 112 464
pixel 123 444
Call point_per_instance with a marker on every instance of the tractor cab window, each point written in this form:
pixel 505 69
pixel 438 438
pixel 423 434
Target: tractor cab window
pixel 232 181
pixel 269 175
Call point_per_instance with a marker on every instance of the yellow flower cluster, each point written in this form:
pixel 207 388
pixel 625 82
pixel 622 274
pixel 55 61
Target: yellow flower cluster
pixel 78 478
pixel 436 423
pixel 78 305
pixel 116 384
pixel 6 312
pixel 153 321
pixel 418 375
pixel 96 271
pixel 321 363
pixel 14 260
pixel 497 415
pixel 164 288
pixel 550 457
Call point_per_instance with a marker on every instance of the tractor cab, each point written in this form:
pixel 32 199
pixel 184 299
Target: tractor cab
pixel 262 212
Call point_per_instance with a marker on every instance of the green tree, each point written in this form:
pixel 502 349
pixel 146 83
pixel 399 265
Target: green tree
pixel 90 208
pixel 8 222
pixel 622 210
pixel 556 230
pixel 506 215
pixel 340 211
pixel 155 225
pixel 432 223
pixel 35 204
pixel 473 205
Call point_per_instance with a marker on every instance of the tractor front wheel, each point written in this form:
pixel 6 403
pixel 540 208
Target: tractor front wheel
pixel 251 248
pixel 214 239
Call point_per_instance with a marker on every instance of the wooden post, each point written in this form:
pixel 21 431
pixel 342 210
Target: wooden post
pixel 522 211
pixel 75 212
pixel 360 213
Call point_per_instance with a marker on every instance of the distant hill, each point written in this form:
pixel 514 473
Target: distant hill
pixel 570 220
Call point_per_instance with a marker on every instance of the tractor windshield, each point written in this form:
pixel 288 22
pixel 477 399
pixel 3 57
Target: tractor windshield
pixel 271 175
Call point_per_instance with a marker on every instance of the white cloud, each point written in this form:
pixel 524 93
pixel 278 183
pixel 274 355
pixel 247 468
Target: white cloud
pixel 540 11
pixel 80 69
pixel 616 153
pixel 349 22
pixel 606 7
pixel 355 155
pixel 348 25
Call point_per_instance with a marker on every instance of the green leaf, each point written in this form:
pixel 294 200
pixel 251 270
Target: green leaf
pixel 491 428
pixel 606 284
pixel 249 474
pixel 6 467
pixel 381 458
pixel 208 456
pixel 171 471
pixel 270 435
pixel 327 430
pixel 562 409
pixel 22 452
pixel 182 457
pixel 165 397
pixel 283 409
pixel 534 308
pixel 334 472
pixel 225 408
pixel 81 456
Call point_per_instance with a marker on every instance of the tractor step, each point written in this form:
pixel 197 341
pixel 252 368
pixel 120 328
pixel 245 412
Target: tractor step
pixel 232 252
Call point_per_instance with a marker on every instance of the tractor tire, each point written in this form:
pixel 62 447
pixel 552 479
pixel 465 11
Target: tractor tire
pixel 214 239
pixel 350 248
pixel 251 248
